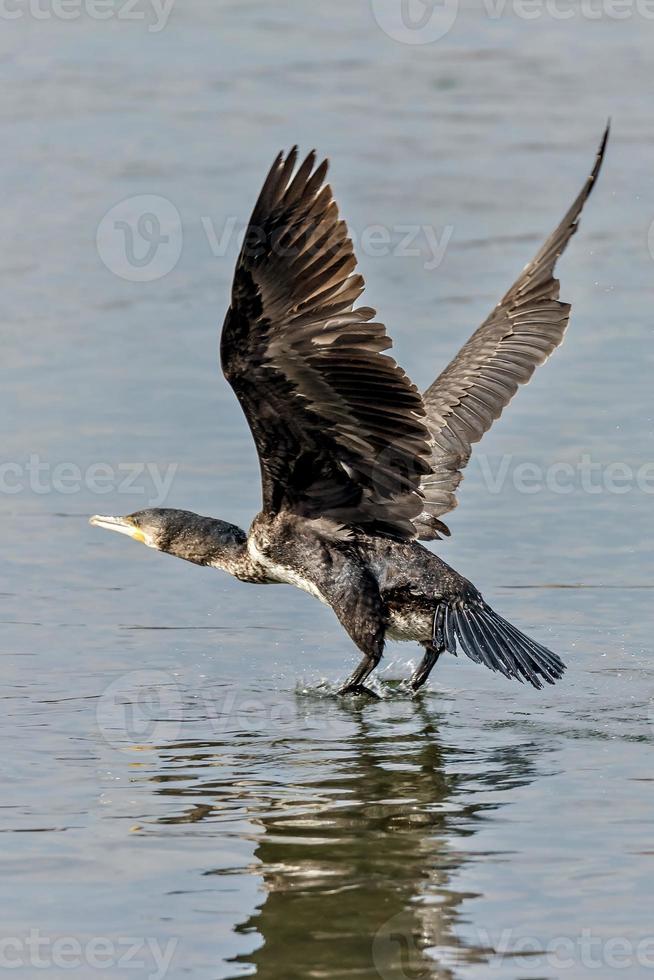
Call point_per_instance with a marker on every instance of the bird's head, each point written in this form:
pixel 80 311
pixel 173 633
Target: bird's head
pixel 201 540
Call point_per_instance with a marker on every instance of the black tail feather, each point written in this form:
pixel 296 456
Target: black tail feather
pixel 473 642
pixel 448 626
pixel 488 639
pixel 515 650
pixel 539 655
pixel 505 664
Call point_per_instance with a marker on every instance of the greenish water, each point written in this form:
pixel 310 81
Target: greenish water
pixel 177 772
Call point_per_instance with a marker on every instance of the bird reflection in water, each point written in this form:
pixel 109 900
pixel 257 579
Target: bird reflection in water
pixel 355 829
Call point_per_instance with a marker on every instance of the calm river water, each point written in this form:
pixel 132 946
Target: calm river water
pixel 182 794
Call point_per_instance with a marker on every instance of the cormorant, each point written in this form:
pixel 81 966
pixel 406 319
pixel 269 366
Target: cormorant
pixel 357 466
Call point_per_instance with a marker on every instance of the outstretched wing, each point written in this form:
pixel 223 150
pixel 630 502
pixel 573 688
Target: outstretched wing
pixel 473 390
pixel 337 424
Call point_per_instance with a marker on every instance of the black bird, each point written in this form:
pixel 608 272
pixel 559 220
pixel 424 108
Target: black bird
pixel 356 465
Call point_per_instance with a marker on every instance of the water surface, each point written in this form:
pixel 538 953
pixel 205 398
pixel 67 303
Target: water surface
pixel 176 768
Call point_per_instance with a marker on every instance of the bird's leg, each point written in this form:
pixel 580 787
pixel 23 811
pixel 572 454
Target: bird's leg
pixel 427 664
pixel 355 682
pixel 353 593
pixel 433 650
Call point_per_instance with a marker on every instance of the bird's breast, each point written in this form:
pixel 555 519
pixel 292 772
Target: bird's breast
pixel 277 571
pixel 410 624
pixel 410 614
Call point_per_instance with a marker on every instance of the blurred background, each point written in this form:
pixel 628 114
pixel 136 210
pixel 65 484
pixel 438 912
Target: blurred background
pixel 177 773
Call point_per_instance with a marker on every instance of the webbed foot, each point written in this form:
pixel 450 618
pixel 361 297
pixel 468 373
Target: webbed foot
pixel 359 689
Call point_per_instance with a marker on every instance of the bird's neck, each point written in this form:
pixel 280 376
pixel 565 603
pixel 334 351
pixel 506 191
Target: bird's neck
pixel 236 560
pixel 210 542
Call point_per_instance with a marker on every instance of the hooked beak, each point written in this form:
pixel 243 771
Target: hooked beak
pixel 121 524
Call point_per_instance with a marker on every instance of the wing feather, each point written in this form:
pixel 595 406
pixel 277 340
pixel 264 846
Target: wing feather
pixel 338 426
pixel 473 390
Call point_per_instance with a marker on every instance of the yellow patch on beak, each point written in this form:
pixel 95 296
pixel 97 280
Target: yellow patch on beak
pixel 121 524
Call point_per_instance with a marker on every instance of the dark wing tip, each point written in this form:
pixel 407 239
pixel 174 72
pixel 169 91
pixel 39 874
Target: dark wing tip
pixel 570 223
pixel 599 159
pixel 285 181
pixel 575 211
pixel 306 169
